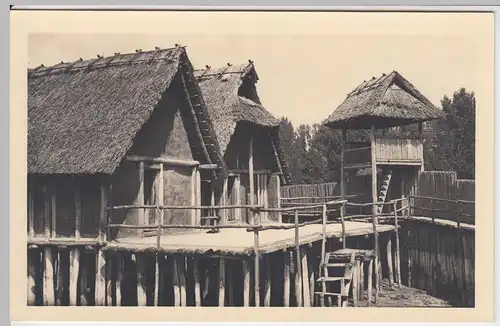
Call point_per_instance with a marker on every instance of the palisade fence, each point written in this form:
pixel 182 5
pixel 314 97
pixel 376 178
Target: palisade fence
pixel 444 185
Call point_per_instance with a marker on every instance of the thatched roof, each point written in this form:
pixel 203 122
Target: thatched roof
pixel 384 102
pixel 231 98
pixel 83 116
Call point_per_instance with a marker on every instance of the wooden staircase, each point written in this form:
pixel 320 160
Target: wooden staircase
pixel 382 195
pixel 342 277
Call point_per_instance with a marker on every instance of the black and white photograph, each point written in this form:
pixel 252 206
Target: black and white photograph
pixel 227 165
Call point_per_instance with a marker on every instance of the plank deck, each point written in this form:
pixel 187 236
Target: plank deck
pixel 241 242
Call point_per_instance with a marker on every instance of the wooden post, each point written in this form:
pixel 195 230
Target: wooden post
pixel 59 280
pixel 374 208
pixel 47 219
pixel 342 174
pixel 246 284
pixel 53 214
pixel 286 277
pixel 198 197
pixel 268 278
pixel 250 171
pixel 361 281
pixel 370 281
pixel 176 282
pixel 140 198
pixel 83 279
pixel 323 250
pixel 342 211
pixel 224 212
pixel 237 186
pixel 230 283
pixel 305 280
pixel 355 280
pixel 398 255
pixel 312 280
pixel 119 278
pixel 109 279
pixel 278 195
pixel 193 195
pixel 298 270
pixel 31 210
pixel 33 263
pixel 141 281
pixel 266 197
pixel 78 213
pixel 157 289
pixel 181 267
pixel 74 261
pixel 48 278
pixel 222 282
pixel 389 261
pixel 256 264
pixel 100 278
pixel 197 293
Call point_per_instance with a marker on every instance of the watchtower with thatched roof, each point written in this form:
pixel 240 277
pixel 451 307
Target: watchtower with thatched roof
pixel 248 137
pixel 128 129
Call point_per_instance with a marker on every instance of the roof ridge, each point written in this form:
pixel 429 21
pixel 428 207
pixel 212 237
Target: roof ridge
pixel 106 61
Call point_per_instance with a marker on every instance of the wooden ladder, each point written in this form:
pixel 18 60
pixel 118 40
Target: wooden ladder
pixel 382 195
pixel 344 280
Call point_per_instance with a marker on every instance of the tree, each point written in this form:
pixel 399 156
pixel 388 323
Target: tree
pixel 452 145
pixel 289 146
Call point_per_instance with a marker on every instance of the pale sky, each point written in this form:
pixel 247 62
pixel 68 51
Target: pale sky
pixel 306 62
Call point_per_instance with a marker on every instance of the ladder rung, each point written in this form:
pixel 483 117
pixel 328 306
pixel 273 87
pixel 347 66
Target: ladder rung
pixel 331 294
pixel 332 279
pixel 334 265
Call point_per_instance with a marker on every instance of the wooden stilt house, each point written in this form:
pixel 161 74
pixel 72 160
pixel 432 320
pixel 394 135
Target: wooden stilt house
pixel 129 129
pixel 248 137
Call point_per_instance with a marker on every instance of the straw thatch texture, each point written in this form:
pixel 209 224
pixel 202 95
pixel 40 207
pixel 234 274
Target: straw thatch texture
pixel 83 116
pixel 384 102
pixel 231 98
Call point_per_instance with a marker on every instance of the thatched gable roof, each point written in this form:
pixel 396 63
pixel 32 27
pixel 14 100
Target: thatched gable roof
pixel 231 97
pixel 384 102
pixel 83 116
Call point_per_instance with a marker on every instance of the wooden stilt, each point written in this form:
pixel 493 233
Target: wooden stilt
pixel 230 284
pixel 355 281
pixel 59 279
pixel 74 261
pixel 141 280
pixel 409 253
pixel 222 282
pixel 109 279
pixel 83 280
pixel 312 280
pixel 119 278
pixel 374 209
pixel 278 195
pixel 297 267
pixel 140 198
pixel 267 278
pixel 48 278
pixel 286 277
pixel 397 253
pixel 176 282
pixel 32 267
pixel 246 284
pixel 194 202
pixel 389 261
pixel 157 280
pixel 181 268
pixel 224 196
pixel 362 281
pixel 305 280
pixel 197 294
pixel 370 281
pixel 100 279
pixel 198 197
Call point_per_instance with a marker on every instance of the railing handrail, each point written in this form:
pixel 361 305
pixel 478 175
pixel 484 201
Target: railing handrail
pixel 461 201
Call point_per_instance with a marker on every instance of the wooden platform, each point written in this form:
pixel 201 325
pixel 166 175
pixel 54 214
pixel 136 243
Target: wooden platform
pixel 240 242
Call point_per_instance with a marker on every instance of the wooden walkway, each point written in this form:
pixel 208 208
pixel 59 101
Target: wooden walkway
pixel 240 241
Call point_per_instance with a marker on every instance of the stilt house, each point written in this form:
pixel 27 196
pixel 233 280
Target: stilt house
pixel 393 111
pixel 248 137
pixel 129 129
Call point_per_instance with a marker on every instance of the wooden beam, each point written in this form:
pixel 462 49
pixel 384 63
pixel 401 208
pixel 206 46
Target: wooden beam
pixel 53 214
pixel 140 197
pixel 233 172
pixel 162 160
pixel 109 279
pixel 208 167
pixel 389 260
pixel 222 282
pixel 312 279
pixel 361 281
pixel 141 280
pixel 197 293
pixel 48 278
pixel 100 279
pixel 78 213
pixel 33 264
pixel 250 170
pixel 176 282
pixel 246 284
pixel 286 279
pixel 119 277
pixel 156 298
pixel 267 281
pixel 181 269
pixel 198 197
pixel 59 278
pixel 74 261
pixel 83 280
pixel 224 196
pixel 305 278
pixel 342 172
pixel 297 268
pixel 193 195
pixel 278 195
pixel 374 210
pixel 237 186
pixel 31 209
pixel 370 281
